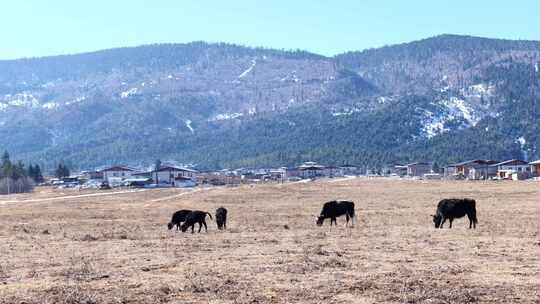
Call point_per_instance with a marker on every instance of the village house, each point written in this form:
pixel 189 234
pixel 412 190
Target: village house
pixel 311 170
pixel 535 168
pixel 291 172
pixel 418 169
pixel 92 175
pixel 507 169
pixel 473 169
pixel 117 174
pixel 174 175
pixel 332 171
pixel 400 170
pixel 349 169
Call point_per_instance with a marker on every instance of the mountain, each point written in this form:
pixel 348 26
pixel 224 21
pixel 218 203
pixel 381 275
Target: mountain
pixel 445 98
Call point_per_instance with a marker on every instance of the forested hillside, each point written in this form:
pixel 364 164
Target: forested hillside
pixel 446 99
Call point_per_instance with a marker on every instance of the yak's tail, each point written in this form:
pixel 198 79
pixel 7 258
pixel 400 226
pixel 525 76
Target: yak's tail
pixel 209 215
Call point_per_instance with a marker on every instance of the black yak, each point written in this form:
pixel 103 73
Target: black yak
pixel 455 208
pixel 334 209
pixel 177 219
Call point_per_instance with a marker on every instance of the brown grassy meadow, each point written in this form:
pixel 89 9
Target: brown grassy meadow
pixel 117 249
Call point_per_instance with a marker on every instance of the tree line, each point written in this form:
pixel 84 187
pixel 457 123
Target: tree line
pixel 15 177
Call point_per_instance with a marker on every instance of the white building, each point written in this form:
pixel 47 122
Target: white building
pixel 507 169
pixel 174 176
pixel 117 173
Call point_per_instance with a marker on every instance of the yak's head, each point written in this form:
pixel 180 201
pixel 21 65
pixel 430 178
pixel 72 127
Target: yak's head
pixel 184 227
pixel 170 226
pixel 437 220
pixel 320 220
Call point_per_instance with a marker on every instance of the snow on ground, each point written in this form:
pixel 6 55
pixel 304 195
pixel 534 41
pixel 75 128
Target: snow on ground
pixel 188 125
pixel 129 93
pixel 244 74
pixel 3 106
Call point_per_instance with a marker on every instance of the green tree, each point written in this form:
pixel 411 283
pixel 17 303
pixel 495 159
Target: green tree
pixel 157 166
pixel 38 176
pixel 62 171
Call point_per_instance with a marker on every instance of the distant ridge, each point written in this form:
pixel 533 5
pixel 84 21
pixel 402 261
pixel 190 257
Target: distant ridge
pixel 445 99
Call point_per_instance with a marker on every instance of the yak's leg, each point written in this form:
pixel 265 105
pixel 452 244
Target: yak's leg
pixel 200 226
pixel 193 228
pixel 335 221
pixel 471 221
pixel 450 220
pixel 442 222
pixel 347 217
pixel 205 227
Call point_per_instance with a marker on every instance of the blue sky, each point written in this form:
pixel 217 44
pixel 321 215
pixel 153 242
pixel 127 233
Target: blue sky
pixel 40 28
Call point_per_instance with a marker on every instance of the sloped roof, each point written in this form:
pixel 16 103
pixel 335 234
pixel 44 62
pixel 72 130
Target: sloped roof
pixel 536 162
pixel 174 168
pixel 118 168
pixel 521 162
pixel 477 161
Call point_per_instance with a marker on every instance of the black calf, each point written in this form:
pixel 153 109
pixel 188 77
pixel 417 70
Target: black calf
pixel 221 218
pixel 196 217
pixel 177 219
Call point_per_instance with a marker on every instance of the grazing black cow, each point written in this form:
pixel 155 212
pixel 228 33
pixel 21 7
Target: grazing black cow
pixel 177 219
pixel 221 218
pixel 455 208
pixel 195 217
pixel 334 209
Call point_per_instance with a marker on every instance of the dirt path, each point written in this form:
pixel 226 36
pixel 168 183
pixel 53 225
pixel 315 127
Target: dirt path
pixel 58 198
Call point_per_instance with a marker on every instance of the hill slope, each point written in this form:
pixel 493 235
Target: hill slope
pixel 445 98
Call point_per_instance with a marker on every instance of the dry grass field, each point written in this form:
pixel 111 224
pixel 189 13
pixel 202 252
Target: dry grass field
pixel 79 247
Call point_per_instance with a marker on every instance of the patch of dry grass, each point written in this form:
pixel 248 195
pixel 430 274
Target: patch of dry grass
pixel 117 249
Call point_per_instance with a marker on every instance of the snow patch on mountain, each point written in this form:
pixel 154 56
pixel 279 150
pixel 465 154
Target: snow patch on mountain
pixel 23 99
pixel 458 107
pixel 226 116
pixel 76 100
pixel 522 142
pixel 50 105
pixel 448 110
pixel 188 125
pixel 346 112
pixel 291 77
pixel 128 93
pixel 244 74
pixel 536 67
